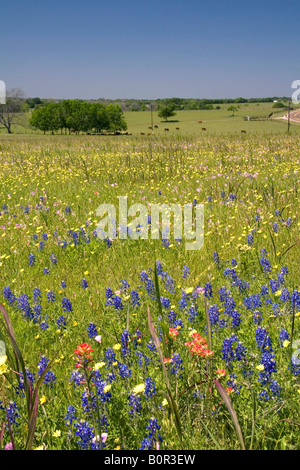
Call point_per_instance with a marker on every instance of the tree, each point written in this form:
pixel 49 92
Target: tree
pixel 78 116
pixel 166 111
pixel 12 108
pixel 46 118
pixel 233 109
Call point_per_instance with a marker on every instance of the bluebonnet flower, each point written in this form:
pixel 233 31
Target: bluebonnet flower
pixel 257 317
pixel 45 236
pixel 165 302
pixel 208 290
pixel 252 302
pixel 41 246
pixel 44 325
pixel 92 330
pixel 37 294
pixel 275 286
pixel 183 303
pixel 84 284
pixel 109 293
pixel 227 350
pixel 150 387
pixel 70 416
pixel 274 388
pixel 86 434
pixel 295 303
pixel 232 383
pixel 8 295
pixel 250 239
pixel 285 295
pixel 68 210
pixel 153 437
pixel 51 297
pixel 240 351
pixel 61 322
pixel 125 339
pixel 66 305
pixel 268 362
pixel 124 371
pixel 265 264
pixel 124 285
pixel 110 356
pixel 63 284
pixel 46 271
pixel 134 401
pixel 176 364
pixel 24 305
pixel 135 299
pixel 283 336
pixel 193 313
pixel 49 377
pixel 31 259
pixel 77 378
pixel 53 259
pixel 264 290
pixel 169 284
pixel 12 413
pixel 262 338
pixel 37 309
pixel 214 314
pixel 185 272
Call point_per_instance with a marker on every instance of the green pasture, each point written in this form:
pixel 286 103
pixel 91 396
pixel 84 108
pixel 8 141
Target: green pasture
pixel 215 121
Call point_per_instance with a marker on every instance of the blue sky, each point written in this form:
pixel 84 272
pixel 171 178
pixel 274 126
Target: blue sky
pixel 150 49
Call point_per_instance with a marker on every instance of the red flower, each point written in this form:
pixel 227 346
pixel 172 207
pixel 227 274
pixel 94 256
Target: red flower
pixel 198 346
pixel 173 332
pixel 82 349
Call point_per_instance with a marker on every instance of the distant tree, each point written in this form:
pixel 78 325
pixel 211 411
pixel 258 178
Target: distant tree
pixel 166 111
pixel 233 109
pixel 116 119
pixel 46 118
pixel 33 102
pixel 12 108
pixel 78 116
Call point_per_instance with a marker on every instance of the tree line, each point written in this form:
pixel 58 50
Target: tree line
pixel 78 116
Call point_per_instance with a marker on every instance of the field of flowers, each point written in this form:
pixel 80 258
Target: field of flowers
pixel 139 344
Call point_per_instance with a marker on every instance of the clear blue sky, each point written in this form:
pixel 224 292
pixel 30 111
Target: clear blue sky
pixel 150 49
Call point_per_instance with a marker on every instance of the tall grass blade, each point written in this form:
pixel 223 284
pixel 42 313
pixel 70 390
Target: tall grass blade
pixel 227 401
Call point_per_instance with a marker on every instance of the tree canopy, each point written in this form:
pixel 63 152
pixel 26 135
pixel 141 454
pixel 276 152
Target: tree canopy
pixel 78 116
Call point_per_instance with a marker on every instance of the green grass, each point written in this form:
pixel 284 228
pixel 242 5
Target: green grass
pixel 216 122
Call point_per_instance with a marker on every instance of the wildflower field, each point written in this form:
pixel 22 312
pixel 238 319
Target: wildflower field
pixel 140 344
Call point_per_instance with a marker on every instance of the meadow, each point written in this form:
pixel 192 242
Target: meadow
pixel 125 344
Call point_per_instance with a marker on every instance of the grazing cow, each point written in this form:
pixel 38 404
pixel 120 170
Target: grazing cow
pixel 166 129
pixel 142 133
pixel 243 132
pixel 204 128
pixel 200 122
pixel 177 128
pixel 156 127
pixel 149 127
